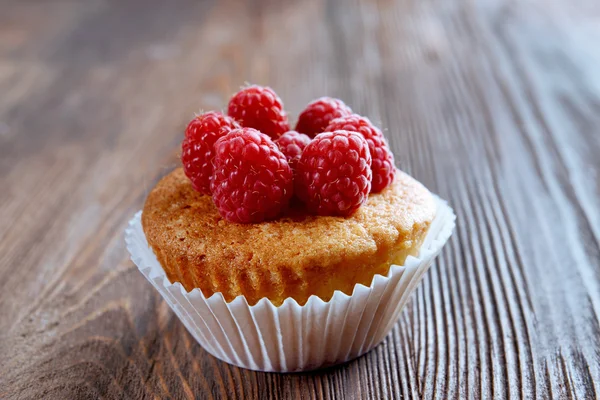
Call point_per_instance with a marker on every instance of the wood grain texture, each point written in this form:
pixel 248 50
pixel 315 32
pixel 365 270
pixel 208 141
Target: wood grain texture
pixel 493 104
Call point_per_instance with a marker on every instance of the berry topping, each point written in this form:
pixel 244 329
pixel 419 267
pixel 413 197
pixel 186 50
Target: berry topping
pixel 334 173
pixel 252 179
pixel 198 147
pixel 383 159
pixel 260 108
pixel 209 125
pixel 317 115
pixel 291 145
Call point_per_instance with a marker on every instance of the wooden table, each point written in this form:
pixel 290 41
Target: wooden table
pixel 493 104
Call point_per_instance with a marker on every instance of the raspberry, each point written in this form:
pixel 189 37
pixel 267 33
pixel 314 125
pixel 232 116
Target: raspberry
pixel 317 115
pixel 260 108
pixel 383 159
pixel 210 123
pixel 198 147
pixel 291 145
pixel 253 181
pixel 334 173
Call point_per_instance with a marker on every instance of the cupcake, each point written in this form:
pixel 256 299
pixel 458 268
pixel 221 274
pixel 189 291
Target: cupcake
pixel 287 253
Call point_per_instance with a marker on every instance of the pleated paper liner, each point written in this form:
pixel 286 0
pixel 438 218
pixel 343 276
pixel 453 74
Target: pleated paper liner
pixel 291 337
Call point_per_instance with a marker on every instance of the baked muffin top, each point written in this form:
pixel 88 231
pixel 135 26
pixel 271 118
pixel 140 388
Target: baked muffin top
pixel 198 248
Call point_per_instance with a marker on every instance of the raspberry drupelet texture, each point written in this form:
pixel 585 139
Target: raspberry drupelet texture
pixel 291 145
pixel 334 173
pixel 198 147
pixel 383 159
pixel 260 108
pixel 209 123
pixel 252 180
pixel 317 115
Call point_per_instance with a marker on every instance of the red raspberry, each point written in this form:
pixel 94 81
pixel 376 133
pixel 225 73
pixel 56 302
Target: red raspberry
pixel 383 159
pixel 210 123
pixel 334 173
pixel 198 147
pixel 291 145
pixel 260 108
pixel 317 115
pixel 253 181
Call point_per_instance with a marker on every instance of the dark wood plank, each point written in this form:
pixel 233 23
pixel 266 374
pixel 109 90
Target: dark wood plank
pixel 495 105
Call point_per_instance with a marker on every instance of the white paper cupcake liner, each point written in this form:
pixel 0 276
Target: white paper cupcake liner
pixel 291 337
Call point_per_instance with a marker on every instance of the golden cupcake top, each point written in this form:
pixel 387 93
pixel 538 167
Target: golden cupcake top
pixel 296 255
